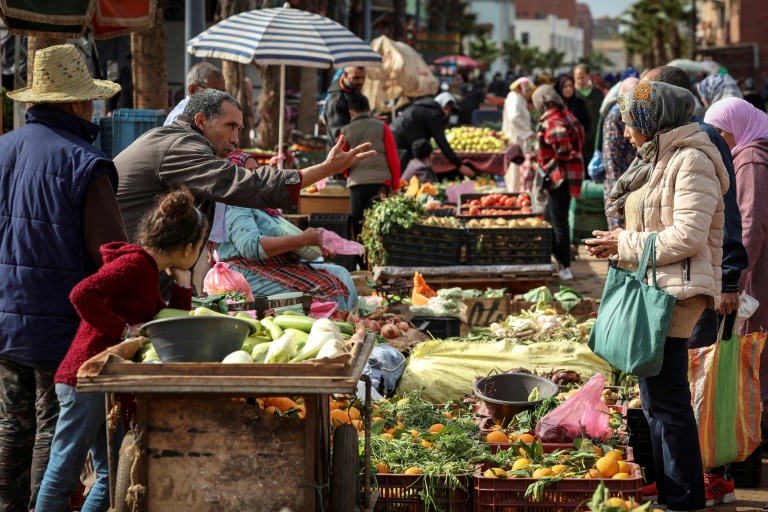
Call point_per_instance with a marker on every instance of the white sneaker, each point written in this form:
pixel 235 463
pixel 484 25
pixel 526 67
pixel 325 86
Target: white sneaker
pixel 565 274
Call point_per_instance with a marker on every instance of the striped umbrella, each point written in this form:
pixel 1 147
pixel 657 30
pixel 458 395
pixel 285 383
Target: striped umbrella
pixel 286 37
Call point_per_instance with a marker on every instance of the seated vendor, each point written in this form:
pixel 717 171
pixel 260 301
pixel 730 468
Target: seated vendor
pixel 269 265
pixel 421 164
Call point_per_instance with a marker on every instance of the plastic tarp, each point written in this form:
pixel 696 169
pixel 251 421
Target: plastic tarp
pixel 403 73
pixel 446 370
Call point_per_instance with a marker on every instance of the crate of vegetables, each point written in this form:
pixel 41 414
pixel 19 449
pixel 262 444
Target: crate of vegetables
pixel 424 245
pixel 530 243
pixel 405 492
pixel 503 205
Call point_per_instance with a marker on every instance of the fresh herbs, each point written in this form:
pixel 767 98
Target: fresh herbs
pixel 381 219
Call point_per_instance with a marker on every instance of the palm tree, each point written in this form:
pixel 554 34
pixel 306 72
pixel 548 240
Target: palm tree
pixel 653 30
pixel 484 51
pixel 597 61
pixel 552 60
pixel 522 58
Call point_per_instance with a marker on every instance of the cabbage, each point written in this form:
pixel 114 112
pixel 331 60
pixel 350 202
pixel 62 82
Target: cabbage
pixel 281 350
pixel 238 357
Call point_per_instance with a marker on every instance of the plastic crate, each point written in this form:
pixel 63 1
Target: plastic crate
pixel 129 124
pixel 640 440
pixel 399 493
pixel 439 327
pixel 569 494
pixel 509 246
pixel 104 140
pixel 423 246
pixel 339 223
pixel 513 212
pixel 749 472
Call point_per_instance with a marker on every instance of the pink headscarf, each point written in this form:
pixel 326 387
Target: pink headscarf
pixel 739 117
pixel 627 84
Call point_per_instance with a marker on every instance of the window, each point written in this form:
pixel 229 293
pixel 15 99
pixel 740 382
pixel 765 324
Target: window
pixel 525 38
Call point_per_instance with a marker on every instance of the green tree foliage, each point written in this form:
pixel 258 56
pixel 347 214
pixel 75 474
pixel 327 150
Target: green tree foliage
pixel 597 61
pixel 653 30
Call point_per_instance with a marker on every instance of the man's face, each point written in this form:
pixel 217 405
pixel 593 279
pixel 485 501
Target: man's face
pixel 222 131
pixel 582 78
pixel 213 82
pixel 354 79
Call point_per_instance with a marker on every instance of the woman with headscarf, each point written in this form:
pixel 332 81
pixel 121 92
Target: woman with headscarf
pixel 716 87
pixel 565 88
pixel 745 130
pixel 516 125
pixel 617 150
pixel 560 140
pixel 674 188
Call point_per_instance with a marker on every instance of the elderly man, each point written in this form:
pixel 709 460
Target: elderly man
pixel 200 77
pixel 58 207
pixel 336 107
pixel 188 152
pixel 593 97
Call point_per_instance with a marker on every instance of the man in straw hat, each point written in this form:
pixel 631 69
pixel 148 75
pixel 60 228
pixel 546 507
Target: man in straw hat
pixel 57 208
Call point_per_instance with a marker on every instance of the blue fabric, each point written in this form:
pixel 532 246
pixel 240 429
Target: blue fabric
pixel 385 366
pixel 674 434
pixel 596 168
pixel 81 429
pixel 46 167
pixel 735 257
pixel 177 111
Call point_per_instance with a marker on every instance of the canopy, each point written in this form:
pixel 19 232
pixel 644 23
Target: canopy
pixel 67 19
pixel 460 61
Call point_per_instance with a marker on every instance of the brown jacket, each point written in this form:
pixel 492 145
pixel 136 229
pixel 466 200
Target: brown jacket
pixel 178 154
pixel 684 204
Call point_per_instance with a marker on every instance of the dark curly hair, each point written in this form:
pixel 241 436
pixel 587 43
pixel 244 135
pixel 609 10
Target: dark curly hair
pixel 173 223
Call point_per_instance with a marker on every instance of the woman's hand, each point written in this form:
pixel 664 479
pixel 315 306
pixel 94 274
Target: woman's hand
pixel 181 277
pixel 312 236
pixel 605 245
pixel 134 331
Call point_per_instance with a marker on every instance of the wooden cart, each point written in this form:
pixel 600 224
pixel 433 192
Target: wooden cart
pixel 201 445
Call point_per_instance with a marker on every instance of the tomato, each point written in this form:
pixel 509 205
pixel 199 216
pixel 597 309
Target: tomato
pixel 525 209
pixel 509 201
pixel 474 210
pixel 525 202
pixel 475 202
pixel 524 195
pixel 486 201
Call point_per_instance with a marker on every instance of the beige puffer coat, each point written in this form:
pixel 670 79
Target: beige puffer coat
pixel 684 204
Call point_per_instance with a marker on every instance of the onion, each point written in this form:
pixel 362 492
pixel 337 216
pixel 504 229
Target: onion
pixel 390 331
pixel 403 326
pixel 374 326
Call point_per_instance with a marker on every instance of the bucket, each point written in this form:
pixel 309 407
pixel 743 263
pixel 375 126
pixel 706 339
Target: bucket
pixel 196 339
pixel 506 394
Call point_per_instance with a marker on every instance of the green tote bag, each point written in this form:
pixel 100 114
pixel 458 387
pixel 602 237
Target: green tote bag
pixel 633 319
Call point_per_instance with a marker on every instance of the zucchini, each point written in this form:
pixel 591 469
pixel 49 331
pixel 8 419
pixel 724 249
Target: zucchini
pixel 271 329
pixel 299 337
pixel 171 313
pixel 301 323
pixel 242 315
pixel 345 327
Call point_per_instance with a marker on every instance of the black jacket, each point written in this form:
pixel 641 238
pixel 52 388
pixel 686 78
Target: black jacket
pixel 578 108
pixel 423 120
pixel 336 111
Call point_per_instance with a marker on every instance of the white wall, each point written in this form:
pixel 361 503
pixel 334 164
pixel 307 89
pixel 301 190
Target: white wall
pixel 549 33
pixel 501 15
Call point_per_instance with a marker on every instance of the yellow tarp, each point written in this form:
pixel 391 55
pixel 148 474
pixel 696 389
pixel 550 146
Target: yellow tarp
pixel 447 369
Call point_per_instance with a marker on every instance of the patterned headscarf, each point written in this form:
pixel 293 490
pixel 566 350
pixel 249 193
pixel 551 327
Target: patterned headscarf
pixel 739 117
pixel 717 87
pixel 651 108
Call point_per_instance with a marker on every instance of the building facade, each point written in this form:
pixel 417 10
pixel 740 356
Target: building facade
pixel 499 16
pixel 584 22
pixel 551 32
pixel 541 9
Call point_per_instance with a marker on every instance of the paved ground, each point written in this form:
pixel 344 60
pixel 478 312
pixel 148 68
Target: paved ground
pixel 588 278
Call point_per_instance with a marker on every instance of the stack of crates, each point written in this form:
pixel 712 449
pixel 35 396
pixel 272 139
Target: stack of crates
pixel 104 140
pixel 129 124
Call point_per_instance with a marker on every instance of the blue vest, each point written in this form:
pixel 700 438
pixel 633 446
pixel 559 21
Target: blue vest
pixel 46 168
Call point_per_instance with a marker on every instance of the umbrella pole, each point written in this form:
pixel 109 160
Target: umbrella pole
pixel 281 124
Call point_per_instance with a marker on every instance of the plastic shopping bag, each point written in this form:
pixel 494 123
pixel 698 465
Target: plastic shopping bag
pixel 221 279
pixel 338 245
pixel 725 395
pixel 582 415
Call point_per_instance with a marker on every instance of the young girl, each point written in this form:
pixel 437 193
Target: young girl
pixel 114 303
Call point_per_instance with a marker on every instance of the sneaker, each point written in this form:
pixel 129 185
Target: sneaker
pixel 565 274
pixel 718 489
pixel 650 493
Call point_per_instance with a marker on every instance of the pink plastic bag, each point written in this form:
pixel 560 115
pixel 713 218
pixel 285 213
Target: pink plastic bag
pixel 220 279
pixel 582 415
pixel 335 244
pixel 322 309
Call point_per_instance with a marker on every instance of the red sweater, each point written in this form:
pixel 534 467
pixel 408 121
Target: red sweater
pixel 125 290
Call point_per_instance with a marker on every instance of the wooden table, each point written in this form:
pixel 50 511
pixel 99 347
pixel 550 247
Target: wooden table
pixel 324 203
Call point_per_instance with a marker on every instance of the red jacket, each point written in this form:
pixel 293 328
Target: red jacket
pixel 561 139
pixel 126 290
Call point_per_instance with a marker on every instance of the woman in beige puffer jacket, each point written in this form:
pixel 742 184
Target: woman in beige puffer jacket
pixel 673 188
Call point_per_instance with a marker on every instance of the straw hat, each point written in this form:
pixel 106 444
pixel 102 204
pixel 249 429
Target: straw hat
pixel 61 76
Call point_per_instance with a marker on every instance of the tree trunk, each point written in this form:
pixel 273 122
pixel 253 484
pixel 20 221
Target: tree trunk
pixel 269 107
pixel 150 72
pixel 234 77
pixel 308 104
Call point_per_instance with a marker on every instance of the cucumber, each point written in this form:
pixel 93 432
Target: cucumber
pixel 299 337
pixel 271 329
pixel 242 315
pixel 301 323
pixel 345 327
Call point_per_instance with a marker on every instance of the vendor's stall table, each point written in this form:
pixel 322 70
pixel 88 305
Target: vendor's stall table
pixel 516 278
pixel 318 202
pixel 203 447
pixel 492 163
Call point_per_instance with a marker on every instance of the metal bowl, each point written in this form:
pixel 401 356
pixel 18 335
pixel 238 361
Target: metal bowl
pixel 196 339
pixel 506 394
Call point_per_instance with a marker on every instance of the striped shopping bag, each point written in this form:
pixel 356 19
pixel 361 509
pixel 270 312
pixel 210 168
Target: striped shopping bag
pixel 725 394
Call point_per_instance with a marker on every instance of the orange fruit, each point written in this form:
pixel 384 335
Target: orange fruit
pixel 271 409
pixel 621 476
pixel 592 473
pixel 615 455
pixel 541 472
pixel 558 468
pixel 280 402
pixel 414 433
pixel 617 503
pixel 413 471
pixel 382 468
pixel 387 436
pixel 624 467
pixel 448 415
pixel 496 437
pixel 598 451
pixel 436 428
pixel 402 401
pixel 354 413
pixel 426 444
pixel 357 424
pixel 520 464
pixel 377 418
pixel 526 438
pixel 338 417
pixel 607 466
pixel 494 473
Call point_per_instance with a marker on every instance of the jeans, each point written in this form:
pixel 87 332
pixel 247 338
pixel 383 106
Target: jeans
pixel 28 413
pixel 81 428
pixel 674 434
pixel 556 213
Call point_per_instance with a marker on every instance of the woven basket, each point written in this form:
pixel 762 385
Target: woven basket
pixel 285 228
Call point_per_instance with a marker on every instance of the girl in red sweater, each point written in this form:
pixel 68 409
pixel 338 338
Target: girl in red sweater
pixel 114 303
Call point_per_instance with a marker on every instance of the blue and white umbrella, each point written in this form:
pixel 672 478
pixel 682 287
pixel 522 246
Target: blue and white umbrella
pixel 287 37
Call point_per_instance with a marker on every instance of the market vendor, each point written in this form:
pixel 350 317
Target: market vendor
pixel 426 120
pixel 254 249
pixel 191 152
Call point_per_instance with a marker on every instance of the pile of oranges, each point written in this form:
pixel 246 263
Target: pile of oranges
pixel 610 465
pixel 283 406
